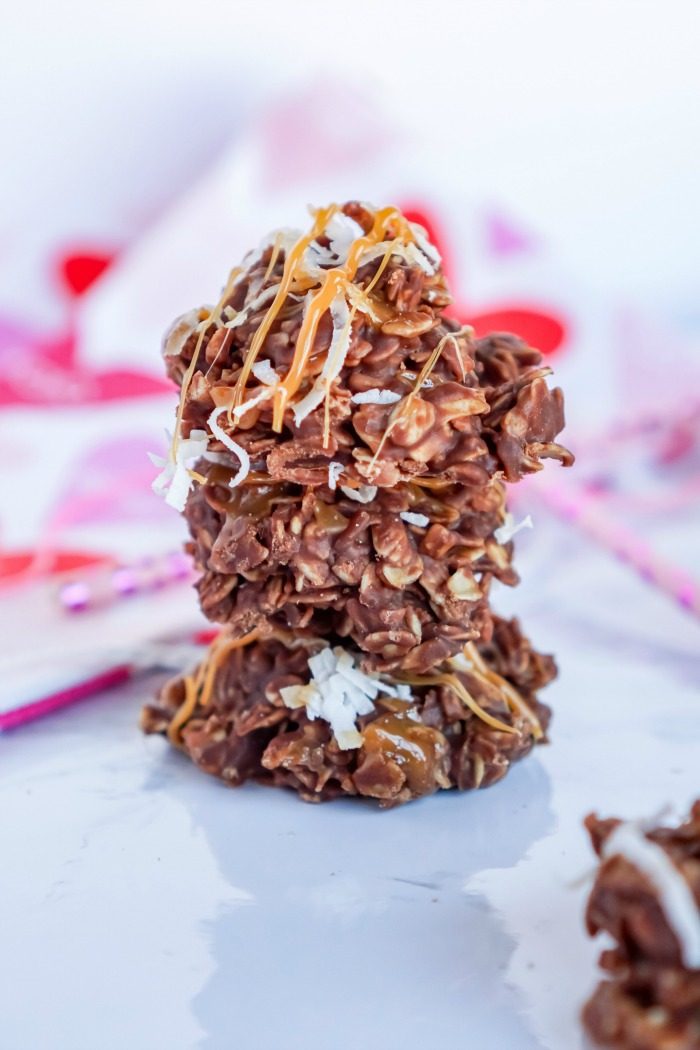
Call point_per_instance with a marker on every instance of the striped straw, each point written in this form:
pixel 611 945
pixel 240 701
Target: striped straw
pixel 577 508
pixel 96 588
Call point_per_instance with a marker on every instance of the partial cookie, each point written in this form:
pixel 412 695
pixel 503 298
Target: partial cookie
pixel 646 897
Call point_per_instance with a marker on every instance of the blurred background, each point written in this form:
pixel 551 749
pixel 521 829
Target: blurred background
pixel 550 147
pixel 582 116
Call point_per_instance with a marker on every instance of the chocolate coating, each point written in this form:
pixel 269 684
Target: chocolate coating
pixel 352 492
pixel 410 748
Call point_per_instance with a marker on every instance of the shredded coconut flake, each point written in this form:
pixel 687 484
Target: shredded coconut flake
pixel 424 244
pixel 181 329
pixel 264 297
pixel 285 237
pixel 335 359
pixel 340 342
pixel 339 693
pixel 231 445
pixel 378 251
pixel 416 256
pixel 675 896
pixel 410 253
pixel 505 533
pixel 414 519
pixel 362 304
pixel 375 397
pixel 308 403
pixel 459 662
pixel 315 261
pixel 365 493
pixel 263 395
pixel 335 469
pixel 218 457
pixel 175 481
pixel 264 372
pixel 342 232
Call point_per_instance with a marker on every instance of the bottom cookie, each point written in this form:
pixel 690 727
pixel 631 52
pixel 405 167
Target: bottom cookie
pixel 254 709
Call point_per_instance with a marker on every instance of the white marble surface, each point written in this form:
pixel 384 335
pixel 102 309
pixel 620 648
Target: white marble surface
pixel 145 905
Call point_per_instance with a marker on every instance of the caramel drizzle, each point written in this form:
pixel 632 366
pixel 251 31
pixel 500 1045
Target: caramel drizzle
pixel 401 410
pixel 198 686
pixel 291 265
pixel 513 697
pixel 380 270
pixel 274 256
pixel 336 281
pixel 213 319
pixel 451 681
pixel 454 337
pixel 333 283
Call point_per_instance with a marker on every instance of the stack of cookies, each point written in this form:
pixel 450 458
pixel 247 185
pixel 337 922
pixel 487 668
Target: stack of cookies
pixel 341 455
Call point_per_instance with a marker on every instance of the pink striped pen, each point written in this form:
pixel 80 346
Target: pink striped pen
pixel 175 654
pixel 46 705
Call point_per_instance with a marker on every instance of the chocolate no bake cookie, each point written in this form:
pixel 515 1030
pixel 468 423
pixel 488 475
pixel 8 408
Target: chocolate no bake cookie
pixel 341 455
pixel 416 736
pixel 646 897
